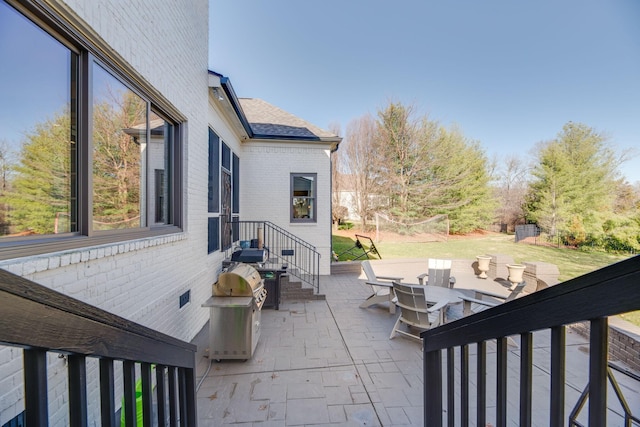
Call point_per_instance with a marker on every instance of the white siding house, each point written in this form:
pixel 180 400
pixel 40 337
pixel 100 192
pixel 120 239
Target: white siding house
pixel 157 50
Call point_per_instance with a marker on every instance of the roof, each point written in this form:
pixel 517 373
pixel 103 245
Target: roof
pixel 267 120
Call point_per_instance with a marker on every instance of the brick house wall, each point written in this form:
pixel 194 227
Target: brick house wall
pixel 166 43
pixel 266 169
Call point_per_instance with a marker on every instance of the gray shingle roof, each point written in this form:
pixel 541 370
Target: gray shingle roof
pixel 270 121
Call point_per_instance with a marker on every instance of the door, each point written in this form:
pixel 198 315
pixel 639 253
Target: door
pixel 226 237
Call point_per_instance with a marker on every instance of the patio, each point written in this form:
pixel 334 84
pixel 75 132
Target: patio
pixel 332 363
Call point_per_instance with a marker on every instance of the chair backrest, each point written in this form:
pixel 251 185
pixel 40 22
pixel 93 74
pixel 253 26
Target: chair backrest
pixel 439 272
pixel 516 291
pixel 368 271
pixel 412 304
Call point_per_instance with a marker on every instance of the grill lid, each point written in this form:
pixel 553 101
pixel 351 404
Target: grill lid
pixel 240 280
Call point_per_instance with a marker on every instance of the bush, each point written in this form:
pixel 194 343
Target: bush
pixel 345 226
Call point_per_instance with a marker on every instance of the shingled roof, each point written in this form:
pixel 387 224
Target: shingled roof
pixel 269 121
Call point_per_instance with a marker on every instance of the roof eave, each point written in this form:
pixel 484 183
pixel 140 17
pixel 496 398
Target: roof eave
pixel 219 81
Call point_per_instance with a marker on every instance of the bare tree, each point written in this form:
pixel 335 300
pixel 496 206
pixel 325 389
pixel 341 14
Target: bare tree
pixel 336 212
pixel 511 191
pixel 359 165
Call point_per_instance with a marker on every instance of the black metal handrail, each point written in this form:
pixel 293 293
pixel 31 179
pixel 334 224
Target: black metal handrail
pixel 301 257
pixel 41 320
pixel 606 292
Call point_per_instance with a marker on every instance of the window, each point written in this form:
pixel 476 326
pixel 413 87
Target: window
pixel 71 167
pixel 303 197
pixel 224 194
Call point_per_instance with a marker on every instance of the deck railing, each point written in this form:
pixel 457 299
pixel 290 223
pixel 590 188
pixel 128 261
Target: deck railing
pixel 301 257
pixel 41 320
pixel 593 297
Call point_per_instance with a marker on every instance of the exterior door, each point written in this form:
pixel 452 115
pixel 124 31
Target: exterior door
pixel 226 237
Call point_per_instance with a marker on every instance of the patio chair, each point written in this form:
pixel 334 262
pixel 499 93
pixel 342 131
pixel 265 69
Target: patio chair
pixel 481 300
pixel 439 273
pixel 382 287
pixel 415 311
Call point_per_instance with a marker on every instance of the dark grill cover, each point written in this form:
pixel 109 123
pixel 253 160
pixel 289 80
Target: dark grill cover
pixel 249 255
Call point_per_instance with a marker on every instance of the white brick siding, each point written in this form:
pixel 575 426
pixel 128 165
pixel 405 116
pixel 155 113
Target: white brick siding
pixel 265 171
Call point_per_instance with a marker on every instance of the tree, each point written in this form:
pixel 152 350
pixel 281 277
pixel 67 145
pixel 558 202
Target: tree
pixel 511 190
pixel 571 188
pixel 360 168
pixel 398 157
pixel 40 185
pixel 336 212
pixel 428 170
pixel 117 160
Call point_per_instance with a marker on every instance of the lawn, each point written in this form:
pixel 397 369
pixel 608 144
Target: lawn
pixel 571 262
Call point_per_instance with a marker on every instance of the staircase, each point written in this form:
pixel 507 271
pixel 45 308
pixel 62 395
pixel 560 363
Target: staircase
pixel 292 289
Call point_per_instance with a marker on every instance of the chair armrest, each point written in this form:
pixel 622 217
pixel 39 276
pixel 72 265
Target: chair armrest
pixel 437 306
pixel 391 279
pixel 467 300
pixel 383 284
pixel 480 294
pixel 452 281
pixel 421 278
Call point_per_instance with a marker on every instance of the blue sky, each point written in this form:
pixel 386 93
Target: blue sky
pixel 508 73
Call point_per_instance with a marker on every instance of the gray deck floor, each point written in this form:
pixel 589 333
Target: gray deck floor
pixel 321 363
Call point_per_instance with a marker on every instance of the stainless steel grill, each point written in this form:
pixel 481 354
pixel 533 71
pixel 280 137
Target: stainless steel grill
pixel 235 312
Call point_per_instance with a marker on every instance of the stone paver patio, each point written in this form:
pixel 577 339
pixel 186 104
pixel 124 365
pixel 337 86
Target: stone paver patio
pixel 329 362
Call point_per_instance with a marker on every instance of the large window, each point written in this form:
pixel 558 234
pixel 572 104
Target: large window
pixel 83 150
pixel 303 197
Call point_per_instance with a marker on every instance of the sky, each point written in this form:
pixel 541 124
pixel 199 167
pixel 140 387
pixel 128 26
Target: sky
pixel 508 74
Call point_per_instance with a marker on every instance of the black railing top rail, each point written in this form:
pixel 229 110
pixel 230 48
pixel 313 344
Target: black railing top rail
pixel 609 291
pixel 280 230
pixel 290 235
pixel 34 316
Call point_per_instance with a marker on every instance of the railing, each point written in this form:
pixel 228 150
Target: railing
pixel 302 258
pixel 41 320
pixel 610 291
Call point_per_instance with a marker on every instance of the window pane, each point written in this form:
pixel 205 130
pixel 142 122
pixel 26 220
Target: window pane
pixel 159 155
pixel 303 194
pixel 214 172
pixel 37 130
pixel 236 184
pixel 119 154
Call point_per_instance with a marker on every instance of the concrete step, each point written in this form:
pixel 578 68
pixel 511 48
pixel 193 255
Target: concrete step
pixel 293 290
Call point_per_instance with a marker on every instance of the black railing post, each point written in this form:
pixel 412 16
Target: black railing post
pixel 161 395
pixel 451 382
pixel 526 370
pixel 129 374
pixel 107 399
pixel 173 397
pixel 77 370
pixel 35 381
pixel 501 382
pixel 481 381
pixel 464 385
pixel 558 341
pixel 433 388
pixel 598 356
pixel 147 397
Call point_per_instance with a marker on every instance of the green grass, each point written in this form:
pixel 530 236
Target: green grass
pixel 571 262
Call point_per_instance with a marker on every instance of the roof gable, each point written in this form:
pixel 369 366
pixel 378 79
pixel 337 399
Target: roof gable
pixel 269 121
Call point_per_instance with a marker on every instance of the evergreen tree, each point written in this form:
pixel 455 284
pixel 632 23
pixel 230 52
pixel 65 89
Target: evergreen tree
pixel 571 192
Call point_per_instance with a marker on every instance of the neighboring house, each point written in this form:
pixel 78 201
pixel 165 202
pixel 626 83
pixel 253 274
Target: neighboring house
pixel 135 206
pixel 347 196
